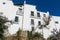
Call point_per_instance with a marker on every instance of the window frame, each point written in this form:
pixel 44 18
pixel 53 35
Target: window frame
pixel 19 11
pixel 38 14
pixel 32 21
pixel 56 22
pixel 16 19
pixel 32 13
pixel 32 28
pixel 39 22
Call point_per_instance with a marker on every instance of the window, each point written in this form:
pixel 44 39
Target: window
pixel 38 14
pixel 3 2
pixel 32 13
pixel 32 28
pixel 56 22
pixel 19 11
pixel 44 15
pixel 39 23
pixel 32 21
pixel 16 18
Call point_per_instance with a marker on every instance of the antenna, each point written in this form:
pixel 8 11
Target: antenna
pixel 24 1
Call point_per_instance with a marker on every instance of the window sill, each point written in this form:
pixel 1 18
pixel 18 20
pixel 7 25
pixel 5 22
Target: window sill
pixel 20 14
pixel 38 17
pixel 32 16
pixel 15 22
pixel 35 17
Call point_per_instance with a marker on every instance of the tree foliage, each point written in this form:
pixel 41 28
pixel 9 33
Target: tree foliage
pixel 35 36
pixel 3 27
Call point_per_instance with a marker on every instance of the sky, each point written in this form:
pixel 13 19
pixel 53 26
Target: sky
pixel 53 6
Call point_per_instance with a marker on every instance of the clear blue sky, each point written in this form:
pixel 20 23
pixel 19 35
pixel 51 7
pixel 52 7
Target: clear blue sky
pixel 53 6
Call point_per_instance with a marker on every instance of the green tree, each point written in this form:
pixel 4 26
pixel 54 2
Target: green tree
pixel 35 36
pixel 3 27
pixel 38 36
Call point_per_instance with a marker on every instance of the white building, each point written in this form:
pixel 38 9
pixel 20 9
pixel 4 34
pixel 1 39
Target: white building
pixel 26 17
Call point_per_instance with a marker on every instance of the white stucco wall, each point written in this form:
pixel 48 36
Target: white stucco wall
pixel 27 13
